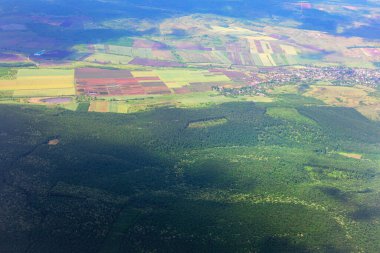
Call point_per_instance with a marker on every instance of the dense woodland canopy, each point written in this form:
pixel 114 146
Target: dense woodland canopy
pixel 144 182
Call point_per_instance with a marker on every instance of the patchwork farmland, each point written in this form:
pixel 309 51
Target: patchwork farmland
pixel 252 49
pixel 104 82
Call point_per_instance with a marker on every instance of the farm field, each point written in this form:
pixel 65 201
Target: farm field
pixel 109 106
pixel 40 82
pixel 102 82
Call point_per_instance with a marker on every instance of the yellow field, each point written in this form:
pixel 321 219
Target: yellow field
pixel 289 49
pixel 266 47
pixel 122 107
pixel 40 82
pixel 260 37
pixel 233 30
pixel 370 111
pixel 44 92
pixel 143 74
pixel 267 60
pixel 99 106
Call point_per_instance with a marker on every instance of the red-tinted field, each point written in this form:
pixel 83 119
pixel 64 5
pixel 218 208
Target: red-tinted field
pixel 201 87
pixel 185 45
pixel 236 76
pixel 104 82
pixel 182 90
pixel 141 43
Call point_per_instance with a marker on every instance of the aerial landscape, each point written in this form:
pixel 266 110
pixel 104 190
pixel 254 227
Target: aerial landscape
pixel 189 126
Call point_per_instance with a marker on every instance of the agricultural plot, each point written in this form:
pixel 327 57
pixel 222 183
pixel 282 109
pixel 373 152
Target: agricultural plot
pixel 103 82
pixel 183 77
pixel 234 75
pixel 108 106
pixel 122 50
pixel 154 63
pixel 251 49
pixel 109 58
pixel 262 58
pixel 196 56
pixel 141 52
pixel 184 81
pixel 40 82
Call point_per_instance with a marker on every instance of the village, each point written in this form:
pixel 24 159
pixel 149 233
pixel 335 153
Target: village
pixel 267 78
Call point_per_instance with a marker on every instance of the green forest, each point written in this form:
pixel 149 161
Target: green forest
pixel 249 177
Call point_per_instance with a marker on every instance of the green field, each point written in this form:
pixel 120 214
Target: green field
pixel 290 114
pixel 109 58
pixel 207 123
pixel 44 72
pixel 7 73
pixel 182 77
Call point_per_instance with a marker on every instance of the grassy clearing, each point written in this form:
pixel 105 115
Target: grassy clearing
pixel 70 106
pixel 355 97
pixel 286 89
pixel 340 96
pixel 290 114
pixel 207 123
pixel 258 99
